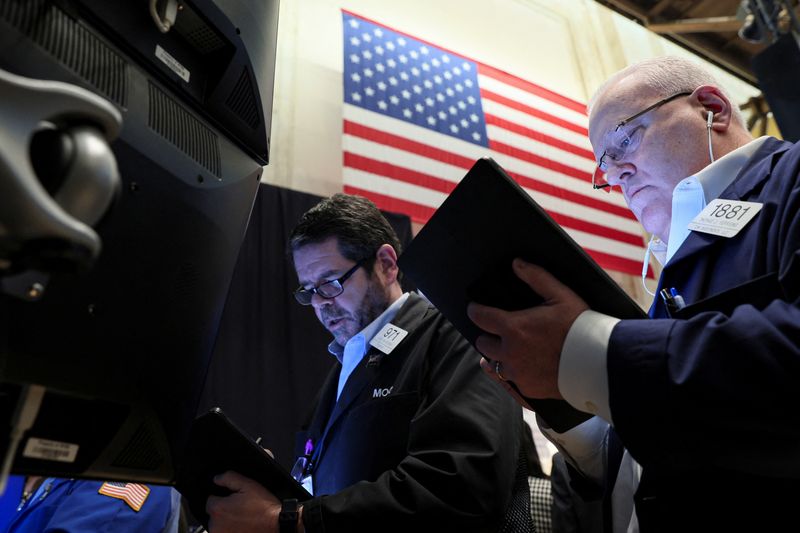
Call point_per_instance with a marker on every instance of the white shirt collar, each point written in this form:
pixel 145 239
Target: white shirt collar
pixel 692 194
pixel 370 330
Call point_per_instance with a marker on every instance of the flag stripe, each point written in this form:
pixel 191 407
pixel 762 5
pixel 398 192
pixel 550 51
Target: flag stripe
pixel 529 87
pixel 539 136
pixel 532 111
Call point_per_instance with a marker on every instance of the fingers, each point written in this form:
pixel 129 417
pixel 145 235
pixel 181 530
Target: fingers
pixel 231 480
pixel 540 280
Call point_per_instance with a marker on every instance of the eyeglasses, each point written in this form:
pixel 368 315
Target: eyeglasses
pixel 329 289
pixel 622 141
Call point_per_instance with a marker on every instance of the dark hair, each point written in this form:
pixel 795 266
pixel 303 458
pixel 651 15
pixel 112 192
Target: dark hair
pixel 357 223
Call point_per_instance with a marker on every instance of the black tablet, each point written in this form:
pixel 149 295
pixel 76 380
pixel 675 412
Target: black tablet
pixel 464 252
pixel 217 445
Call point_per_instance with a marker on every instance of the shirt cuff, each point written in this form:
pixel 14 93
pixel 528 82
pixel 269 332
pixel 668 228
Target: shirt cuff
pixel 582 446
pixel 582 372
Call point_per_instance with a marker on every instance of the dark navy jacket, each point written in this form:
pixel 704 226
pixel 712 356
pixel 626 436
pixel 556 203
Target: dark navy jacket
pixel 709 403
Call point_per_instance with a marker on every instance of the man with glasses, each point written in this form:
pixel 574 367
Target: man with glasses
pixel 408 434
pixel 703 397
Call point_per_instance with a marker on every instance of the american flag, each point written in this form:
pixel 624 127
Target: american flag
pixel 417 117
pixel 133 494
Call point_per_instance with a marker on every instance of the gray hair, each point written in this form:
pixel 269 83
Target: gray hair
pixel 666 76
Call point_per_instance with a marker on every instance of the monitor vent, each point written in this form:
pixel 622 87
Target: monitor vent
pixel 197 32
pixel 75 46
pixel 140 452
pixel 173 122
pixel 242 101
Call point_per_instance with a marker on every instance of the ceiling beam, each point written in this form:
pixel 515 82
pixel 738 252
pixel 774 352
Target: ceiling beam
pixel 698 25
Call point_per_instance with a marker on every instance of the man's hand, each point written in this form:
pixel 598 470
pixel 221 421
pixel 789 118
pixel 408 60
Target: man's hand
pixel 251 507
pixel 527 344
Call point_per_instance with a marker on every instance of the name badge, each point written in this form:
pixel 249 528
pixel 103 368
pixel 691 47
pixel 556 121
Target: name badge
pixel 388 338
pixel 725 218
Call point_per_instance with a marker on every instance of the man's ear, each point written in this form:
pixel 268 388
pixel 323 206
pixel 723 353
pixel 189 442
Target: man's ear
pixel 386 263
pixel 712 99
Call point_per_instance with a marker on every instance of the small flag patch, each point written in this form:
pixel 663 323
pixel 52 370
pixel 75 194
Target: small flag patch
pixel 133 494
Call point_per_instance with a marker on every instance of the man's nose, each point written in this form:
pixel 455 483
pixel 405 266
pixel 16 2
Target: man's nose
pixel 618 172
pixel 319 302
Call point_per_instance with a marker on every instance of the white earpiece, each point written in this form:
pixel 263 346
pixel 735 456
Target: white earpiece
pixel 710 119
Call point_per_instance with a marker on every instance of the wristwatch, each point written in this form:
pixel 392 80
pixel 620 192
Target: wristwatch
pixel 287 519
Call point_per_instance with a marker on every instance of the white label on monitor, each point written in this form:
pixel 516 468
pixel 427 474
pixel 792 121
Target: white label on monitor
pixel 50 450
pixel 172 63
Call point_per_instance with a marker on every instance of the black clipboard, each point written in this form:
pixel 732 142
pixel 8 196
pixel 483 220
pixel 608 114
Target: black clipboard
pixel 216 445
pixel 464 253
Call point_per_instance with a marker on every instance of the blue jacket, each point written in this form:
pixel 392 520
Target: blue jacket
pixel 72 506
pixel 707 402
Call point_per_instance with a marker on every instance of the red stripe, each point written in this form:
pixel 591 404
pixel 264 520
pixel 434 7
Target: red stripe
pixel 532 111
pixel 596 229
pixel 401 143
pixel 524 155
pixel 394 172
pixel 570 196
pixel 538 136
pixel 530 87
pixel 619 264
pixel 417 213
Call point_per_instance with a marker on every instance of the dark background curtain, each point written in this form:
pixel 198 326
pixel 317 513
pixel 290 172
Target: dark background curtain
pixel 271 356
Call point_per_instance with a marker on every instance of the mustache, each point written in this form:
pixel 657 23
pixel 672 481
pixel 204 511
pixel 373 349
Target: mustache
pixel 332 312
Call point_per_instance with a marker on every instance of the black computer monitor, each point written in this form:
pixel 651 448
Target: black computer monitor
pixel 121 348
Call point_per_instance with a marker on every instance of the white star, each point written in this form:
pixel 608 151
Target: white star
pixel 445 59
pixel 417 89
pixel 424 50
pixel 404 76
pixel 369 91
pixel 474 118
pixel 367 54
pixel 452 110
pixel 431 121
pixel 367 37
pixel 407 113
pixel 354 58
pixel 355 77
pixel 428 84
pixel 354 41
pixel 468 82
pixel 379 67
pixel 353 23
pixel 466 66
pixel 406 93
pixel 447 75
pixel 419 107
pixel 426 67
pixel 440 97
pixel 391 62
pixel 457 71
pixel 379 50
pixel 435 62
pixel 429 101
pixel 450 92
pixel 415 71
pixel 403 59
pixel 383 105
pixel 471 100
pixel 453 128
pixel 414 54
pixel 394 99
pixel 461 105
pixel 459 87
pixel 392 81
pixel 368 72
pixel 401 41
pixel 378 32
pixel 437 79
pixel 442 115
pixel 464 123
pixel 390 45
pixel 356 97
pixel 476 136
pixel 381 86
